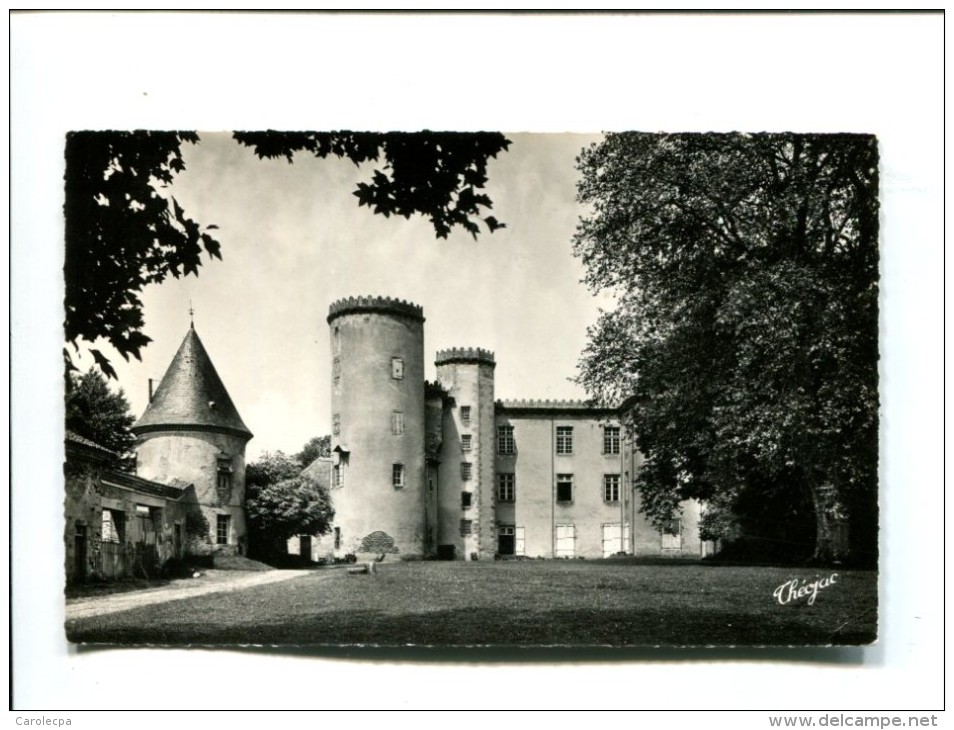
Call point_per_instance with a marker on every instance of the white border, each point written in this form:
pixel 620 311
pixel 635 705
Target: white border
pixel 863 73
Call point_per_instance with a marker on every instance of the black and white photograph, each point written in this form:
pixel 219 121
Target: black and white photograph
pixel 336 362
pixel 709 435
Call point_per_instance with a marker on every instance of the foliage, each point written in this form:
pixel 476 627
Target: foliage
pixel 196 524
pixel 281 503
pixel 96 412
pixel 434 174
pixel 746 270
pixel 125 230
pixel 271 467
pixel 315 448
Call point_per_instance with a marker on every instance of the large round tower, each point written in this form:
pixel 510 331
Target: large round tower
pixel 377 401
pixel 192 434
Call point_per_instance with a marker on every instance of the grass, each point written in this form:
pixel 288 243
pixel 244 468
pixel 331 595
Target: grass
pixel 109 587
pixel 181 570
pixel 525 603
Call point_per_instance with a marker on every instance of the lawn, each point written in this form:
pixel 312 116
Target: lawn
pixel 528 603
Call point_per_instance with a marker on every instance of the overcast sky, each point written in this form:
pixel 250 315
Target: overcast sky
pixel 294 240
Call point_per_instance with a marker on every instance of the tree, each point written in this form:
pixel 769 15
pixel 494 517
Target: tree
pixel 746 271
pixel 96 412
pixel 123 232
pixel 281 503
pixel 124 229
pixel 316 447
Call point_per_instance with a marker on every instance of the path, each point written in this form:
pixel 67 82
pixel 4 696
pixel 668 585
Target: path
pixel 187 588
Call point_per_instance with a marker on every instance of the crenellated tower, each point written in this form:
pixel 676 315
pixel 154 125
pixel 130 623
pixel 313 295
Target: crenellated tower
pixel 467 493
pixel 378 426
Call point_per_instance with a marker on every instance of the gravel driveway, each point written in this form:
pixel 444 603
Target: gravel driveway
pixel 210 582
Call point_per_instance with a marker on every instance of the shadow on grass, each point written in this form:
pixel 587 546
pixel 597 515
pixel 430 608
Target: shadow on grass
pixel 109 588
pixel 499 634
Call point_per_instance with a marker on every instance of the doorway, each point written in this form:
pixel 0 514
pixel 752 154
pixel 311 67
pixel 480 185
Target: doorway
pixel 506 540
pixel 79 553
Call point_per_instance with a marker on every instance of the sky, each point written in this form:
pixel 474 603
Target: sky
pixel 294 240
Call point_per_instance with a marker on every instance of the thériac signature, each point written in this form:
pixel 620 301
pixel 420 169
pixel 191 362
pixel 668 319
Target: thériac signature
pixel 796 589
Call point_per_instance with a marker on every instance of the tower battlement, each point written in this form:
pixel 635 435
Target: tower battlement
pixel 465 355
pixel 375 304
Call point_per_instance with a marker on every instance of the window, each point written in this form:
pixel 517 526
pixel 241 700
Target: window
pixel 565 541
pixel 222 523
pixel 336 369
pixel 397 368
pixel 505 439
pixel 336 424
pixel 465 442
pixel 615 539
pixel 337 538
pixel 113 526
pixel 466 527
pixel 465 414
pixel 150 518
pixel 466 498
pixel 611 439
pixel 506 488
pixel 337 476
pixel 224 475
pixel 564 440
pixel 397 475
pixel 564 487
pixel 397 423
pixel 611 487
pixel 465 470
pixel 672 535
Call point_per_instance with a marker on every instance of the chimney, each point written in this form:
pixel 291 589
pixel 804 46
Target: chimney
pixel 150 390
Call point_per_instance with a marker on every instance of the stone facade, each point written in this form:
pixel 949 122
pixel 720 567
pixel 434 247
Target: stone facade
pixel 378 433
pixel 117 524
pixel 188 494
pixel 192 432
pixel 482 478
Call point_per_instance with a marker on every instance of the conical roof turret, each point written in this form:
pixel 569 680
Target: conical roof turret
pixel 191 396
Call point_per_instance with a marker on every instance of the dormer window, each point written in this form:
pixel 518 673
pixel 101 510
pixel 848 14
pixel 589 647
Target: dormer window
pixel 224 473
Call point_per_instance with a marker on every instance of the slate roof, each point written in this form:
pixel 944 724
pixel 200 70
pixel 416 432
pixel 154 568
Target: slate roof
pixel 75 438
pixel 320 471
pixel 145 486
pixel 191 396
pixel 86 450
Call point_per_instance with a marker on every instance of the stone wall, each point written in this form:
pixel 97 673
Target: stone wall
pixel 379 422
pixel 197 457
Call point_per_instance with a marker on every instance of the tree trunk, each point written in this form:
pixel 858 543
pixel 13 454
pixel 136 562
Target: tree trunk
pixel 831 526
